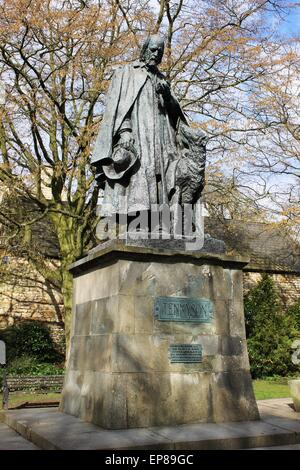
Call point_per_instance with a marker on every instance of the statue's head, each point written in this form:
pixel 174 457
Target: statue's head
pixel 152 50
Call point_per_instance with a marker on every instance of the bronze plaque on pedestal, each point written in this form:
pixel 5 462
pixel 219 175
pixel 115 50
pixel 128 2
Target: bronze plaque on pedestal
pixel 185 353
pixel 183 309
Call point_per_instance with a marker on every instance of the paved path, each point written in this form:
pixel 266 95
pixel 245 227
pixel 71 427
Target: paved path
pixel 11 440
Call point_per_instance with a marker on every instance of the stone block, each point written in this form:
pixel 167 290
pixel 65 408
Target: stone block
pixel 192 281
pixel 168 397
pixel 100 353
pixel 104 315
pixel 91 353
pixel 86 396
pixel 137 278
pixel 228 363
pixel 86 408
pixel 109 400
pixel 132 353
pixel 237 284
pixel 221 283
pixel 232 396
pixel 70 402
pixel 236 318
pixel 210 344
pixel 221 317
pixel 143 314
pixel 82 322
pixel 231 345
pixel 79 352
pixel 113 314
pixel 170 280
pixel 97 284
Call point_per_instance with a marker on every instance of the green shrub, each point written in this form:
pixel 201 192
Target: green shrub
pixel 28 365
pixel 270 331
pixel 294 310
pixel 32 339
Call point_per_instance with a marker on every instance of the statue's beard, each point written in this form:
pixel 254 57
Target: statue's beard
pixel 150 60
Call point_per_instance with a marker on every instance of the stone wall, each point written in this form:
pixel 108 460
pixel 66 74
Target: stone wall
pixel 288 285
pixel 47 382
pixel 26 295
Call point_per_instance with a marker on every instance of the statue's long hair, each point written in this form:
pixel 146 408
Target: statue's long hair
pixel 146 44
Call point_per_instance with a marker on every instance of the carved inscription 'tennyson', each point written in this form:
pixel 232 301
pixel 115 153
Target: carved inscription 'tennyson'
pixel 183 309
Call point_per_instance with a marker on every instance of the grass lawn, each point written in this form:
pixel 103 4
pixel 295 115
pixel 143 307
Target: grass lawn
pixel 16 398
pixel 264 389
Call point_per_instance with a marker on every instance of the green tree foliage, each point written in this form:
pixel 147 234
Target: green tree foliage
pixel 271 330
pixel 30 339
pixel 30 365
pixel 294 310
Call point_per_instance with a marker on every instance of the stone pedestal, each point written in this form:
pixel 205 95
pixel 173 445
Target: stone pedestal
pixel 119 372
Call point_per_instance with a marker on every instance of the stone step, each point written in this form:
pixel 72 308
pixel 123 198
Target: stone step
pixel 51 429
pixel 290 447
pixel 11 440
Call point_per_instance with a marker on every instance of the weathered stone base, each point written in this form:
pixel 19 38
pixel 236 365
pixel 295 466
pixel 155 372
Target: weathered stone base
pixel 119 375
pixel 120 401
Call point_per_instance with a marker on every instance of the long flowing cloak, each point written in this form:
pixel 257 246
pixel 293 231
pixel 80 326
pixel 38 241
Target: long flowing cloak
pixel 132 93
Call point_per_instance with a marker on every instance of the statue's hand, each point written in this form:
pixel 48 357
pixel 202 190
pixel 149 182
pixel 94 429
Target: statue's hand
pixel 163 88
pixel 126 140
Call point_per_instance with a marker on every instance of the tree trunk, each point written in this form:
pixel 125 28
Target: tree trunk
pixel 67 293
pixel 66 230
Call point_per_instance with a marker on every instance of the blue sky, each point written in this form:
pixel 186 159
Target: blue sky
pixel 290 24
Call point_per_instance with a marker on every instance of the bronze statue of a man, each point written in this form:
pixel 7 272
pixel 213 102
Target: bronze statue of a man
pixel 144 153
